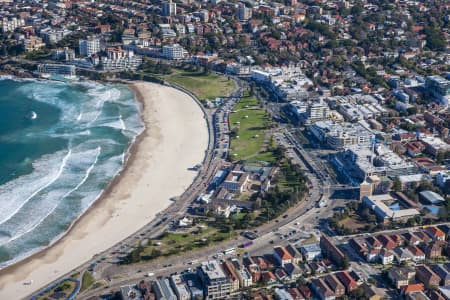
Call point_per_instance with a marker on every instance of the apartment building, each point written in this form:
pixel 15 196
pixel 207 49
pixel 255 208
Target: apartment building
pixel 216 283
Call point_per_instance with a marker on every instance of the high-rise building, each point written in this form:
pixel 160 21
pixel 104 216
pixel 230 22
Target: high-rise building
pixel 243 13
pixel 439 87
pixel 89 46
pixel 169 9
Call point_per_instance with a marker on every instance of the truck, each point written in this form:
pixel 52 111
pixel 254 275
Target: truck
pixel 246 244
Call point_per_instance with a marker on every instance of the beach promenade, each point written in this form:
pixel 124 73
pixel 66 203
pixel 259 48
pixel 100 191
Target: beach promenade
pixel 175 139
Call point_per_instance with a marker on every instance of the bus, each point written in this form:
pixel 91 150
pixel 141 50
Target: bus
pixel 229 251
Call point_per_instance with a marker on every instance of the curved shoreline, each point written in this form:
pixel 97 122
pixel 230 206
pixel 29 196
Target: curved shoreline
pixel 17 261
pixel 122 204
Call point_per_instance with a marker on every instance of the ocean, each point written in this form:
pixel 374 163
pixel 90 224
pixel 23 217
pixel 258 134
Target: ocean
pixel 61 144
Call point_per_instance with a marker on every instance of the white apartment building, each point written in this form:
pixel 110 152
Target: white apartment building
pixel 340 136
pixel 9 25
pixel 216 283
pixel 119 59
pixel 174 52
pixel 89 47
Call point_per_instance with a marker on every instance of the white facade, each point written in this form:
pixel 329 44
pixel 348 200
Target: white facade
pixel 9 25
pixel 174 52
pixel 89 47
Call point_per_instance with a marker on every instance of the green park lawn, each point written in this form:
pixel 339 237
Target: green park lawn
pixel 209 86
pixel 249 139
pixel 176 243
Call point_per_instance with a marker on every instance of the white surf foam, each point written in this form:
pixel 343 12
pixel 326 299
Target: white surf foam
pixel 15 189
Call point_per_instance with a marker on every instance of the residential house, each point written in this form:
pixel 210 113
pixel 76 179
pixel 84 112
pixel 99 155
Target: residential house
pixel 335 285
pixel 322 290
pixel 401 276
pixel 412 288
pixel 296 294
pixel 397 239
pixel 349 283
pixel 295 254
pixel 386 256
pixel 282 256
pixel 305 291
pixel 443 273
pixel 424 237
pixel 268 278
pixel 418 295
pixel 411 239
pixel 427 276
pixel 359 245
pixel 432 250
pixel 372 255
pixel 281 275
pixel 435 233
pixel 402 255
pixel 369 292
pixel 386 241
pixel 417 254
pixel 293 271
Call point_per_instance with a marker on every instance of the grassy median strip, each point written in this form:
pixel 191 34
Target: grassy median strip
pixel 86 281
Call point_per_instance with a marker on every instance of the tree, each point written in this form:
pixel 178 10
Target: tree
pixel 397 184
pixel 345 263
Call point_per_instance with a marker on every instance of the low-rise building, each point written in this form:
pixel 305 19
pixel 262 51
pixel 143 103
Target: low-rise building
pixel 33 43
pixel 282 256
pixel 330 250
pixel 236 181
pixel 130 292
pixel 335 285
pixel 322 290
pixel 431 197
pixel 348 281
pixel 179 287
pixel 427 276
pixel 443 272
pixel 401 276
pixel 384 213
pixel 435 233
pixel 161 288
pixel 46 70
pixel 435 145
pixel 386 256
pixel 311 252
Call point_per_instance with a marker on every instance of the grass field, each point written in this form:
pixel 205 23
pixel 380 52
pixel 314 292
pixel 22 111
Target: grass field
pixel 175 243
pixel 250 123
pixel 203 86
pixel 86 281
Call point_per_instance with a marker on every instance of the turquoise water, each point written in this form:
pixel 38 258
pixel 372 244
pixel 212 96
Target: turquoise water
pixel 60 146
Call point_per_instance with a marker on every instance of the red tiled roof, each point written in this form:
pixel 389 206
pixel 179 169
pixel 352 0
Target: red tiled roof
pixel 417 287
pixel 283 253
pixel 416 251
pixel 434 231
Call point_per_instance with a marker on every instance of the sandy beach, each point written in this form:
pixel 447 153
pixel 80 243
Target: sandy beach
pixel 175 139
